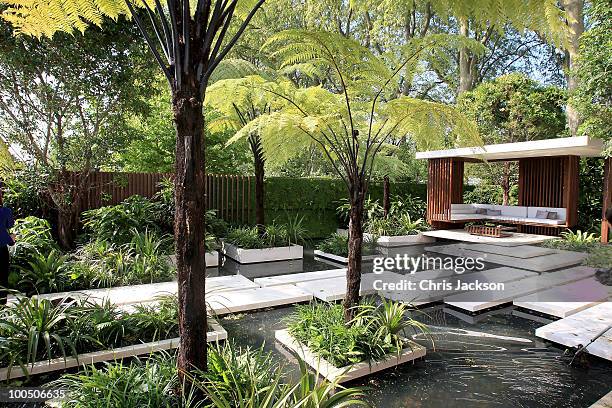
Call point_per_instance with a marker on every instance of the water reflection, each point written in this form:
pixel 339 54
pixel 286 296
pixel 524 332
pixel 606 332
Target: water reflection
pixel 497 363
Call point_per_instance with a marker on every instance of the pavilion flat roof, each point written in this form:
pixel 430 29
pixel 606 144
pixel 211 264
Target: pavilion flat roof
pixel 583 146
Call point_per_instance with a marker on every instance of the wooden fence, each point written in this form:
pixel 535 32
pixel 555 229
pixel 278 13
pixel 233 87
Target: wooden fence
pixel 231 196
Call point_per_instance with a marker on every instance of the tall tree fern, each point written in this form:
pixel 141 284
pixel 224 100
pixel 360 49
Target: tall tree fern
pixel 188 40
pixel 353 121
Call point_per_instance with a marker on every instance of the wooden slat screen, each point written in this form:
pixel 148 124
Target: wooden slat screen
pixel 230 195
pixel 549 182
pixel 444 187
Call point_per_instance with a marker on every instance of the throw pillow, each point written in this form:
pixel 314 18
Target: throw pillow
pixel 481 211
pixel 541 214
pixel 552 215
pixel 493 212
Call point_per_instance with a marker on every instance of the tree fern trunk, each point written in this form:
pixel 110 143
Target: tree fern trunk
pixel 259 162
pixel 575 11
pixel 189 226
pixel 353 273
pixel 386 196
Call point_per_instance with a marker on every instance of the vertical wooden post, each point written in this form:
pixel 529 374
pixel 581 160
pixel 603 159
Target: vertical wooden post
pixel 607 201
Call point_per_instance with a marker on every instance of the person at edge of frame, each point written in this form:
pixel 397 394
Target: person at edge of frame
pixel 6 240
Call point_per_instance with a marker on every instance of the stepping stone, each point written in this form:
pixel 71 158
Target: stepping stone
pixel 294 278
pixel 565 300
pixel 253 299
pixel 558 259
pixel 330 290
pixel 605 402
pixel 516 239
pixel 474 301
pixel 436 289
pixel 521 251
pixel 581 328
pixel 124 295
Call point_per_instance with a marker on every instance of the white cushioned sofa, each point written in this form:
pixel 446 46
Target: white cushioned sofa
pixel 509 214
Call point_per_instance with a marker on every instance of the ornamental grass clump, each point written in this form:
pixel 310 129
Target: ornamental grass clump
pixel 35 329
pixel 376 331
pixel 236 378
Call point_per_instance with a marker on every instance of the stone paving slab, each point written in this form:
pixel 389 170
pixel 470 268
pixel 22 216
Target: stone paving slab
pixel 474 301
pixel 521 251
pixel 123 295
pixel 440 287
pixel 515 240
pixel 581 328
pixel 605 402
pixel 258 298
pixel 334 289
pixel 565 300
pixel 557 260
pixel 294 278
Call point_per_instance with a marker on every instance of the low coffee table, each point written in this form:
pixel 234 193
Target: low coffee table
pixel 498 231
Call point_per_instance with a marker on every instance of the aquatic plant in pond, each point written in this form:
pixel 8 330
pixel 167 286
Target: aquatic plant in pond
pixel 275 235
pixel 376 331
pixel 337 244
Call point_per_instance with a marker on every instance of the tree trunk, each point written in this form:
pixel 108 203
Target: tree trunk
pixel 574 9
pixel 386 197
pixel 353 273
pixel 506 183
pixel 259 164
pixel 466 66
pixel 67 225
pixel 189 229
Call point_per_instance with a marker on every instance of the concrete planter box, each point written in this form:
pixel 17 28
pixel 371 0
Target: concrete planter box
pixel 401 240
pixel 212 259
pixel 217 333
pixel 247 256
pixel 341 259
pixel 348 373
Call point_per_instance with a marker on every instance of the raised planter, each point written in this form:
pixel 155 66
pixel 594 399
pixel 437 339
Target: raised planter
pixel 246 256
pixel 341 259
pixel 216 333
pixel 401 240
pixel 212 259
pixel 348 373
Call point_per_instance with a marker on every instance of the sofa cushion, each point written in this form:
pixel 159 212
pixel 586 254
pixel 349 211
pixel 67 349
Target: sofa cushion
pixel 552 215
pixel 544 221
pixel 542 215
pixel 463 209
pixel 561 212
pixel 494 212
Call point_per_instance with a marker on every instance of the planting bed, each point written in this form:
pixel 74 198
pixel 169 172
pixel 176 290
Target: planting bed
pixel 348 373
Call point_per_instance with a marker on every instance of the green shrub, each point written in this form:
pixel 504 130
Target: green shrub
pixel 574 241
pixel 144 259
pixel 376 331
pixel 44 273
pixel 116 223
pixel 33 238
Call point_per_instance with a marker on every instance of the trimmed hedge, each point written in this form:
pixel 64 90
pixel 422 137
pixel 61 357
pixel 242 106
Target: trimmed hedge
pixel 316 199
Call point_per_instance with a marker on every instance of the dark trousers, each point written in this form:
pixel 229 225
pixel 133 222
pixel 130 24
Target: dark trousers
pixel 4 273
